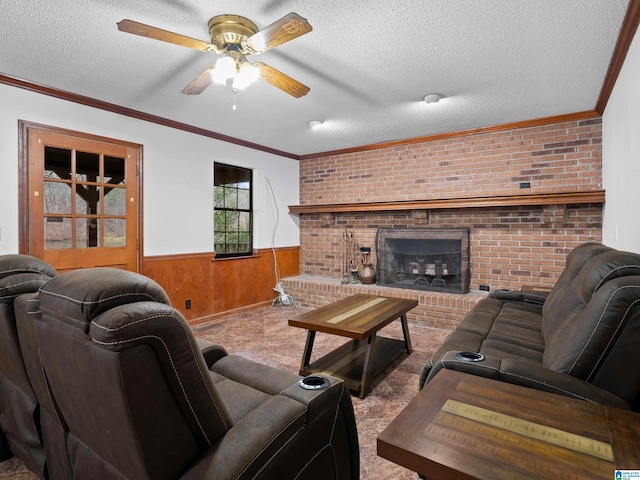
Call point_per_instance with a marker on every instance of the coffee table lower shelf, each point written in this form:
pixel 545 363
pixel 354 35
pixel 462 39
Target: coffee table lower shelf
pixel 347 361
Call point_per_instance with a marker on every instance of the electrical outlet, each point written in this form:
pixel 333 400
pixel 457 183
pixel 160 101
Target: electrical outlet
pixel 188 304
pixel 484 288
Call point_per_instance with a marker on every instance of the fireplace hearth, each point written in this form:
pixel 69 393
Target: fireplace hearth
pixel 434 259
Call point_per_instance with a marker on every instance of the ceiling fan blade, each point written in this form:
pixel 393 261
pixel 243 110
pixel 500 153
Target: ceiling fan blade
pixel 131 26
pixel 281 81
pixel 202 81
pixel 281 31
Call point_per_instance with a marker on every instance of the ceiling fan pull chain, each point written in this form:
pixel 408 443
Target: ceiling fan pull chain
pixel 235 92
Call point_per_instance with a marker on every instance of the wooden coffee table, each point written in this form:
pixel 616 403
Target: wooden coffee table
pixel 462 426
pixel 358 317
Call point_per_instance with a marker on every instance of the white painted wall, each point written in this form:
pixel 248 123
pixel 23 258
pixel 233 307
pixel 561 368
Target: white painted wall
pixel 177 174
pixel 621 157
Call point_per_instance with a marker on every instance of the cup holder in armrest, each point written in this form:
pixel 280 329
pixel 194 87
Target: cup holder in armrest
pixel 469 356
pixel 314 382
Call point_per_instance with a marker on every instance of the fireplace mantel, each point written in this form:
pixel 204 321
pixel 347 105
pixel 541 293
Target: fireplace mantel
pixel 554 198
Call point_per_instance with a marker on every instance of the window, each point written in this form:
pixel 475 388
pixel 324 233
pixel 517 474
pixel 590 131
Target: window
pixel 232 211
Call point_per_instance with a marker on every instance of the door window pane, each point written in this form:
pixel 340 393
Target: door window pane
pixel 57 163
pixel 114 201
pixel 87 167
pixel 114 170
pixel 57 197
pixel 57 233
pixel 87 199
pixel 114 232
pixel 87 232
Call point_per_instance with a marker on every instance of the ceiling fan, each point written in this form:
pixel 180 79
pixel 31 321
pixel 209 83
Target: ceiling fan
pixel 235 37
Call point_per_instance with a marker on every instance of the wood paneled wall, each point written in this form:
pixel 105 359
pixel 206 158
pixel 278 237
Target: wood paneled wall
pixel 218 286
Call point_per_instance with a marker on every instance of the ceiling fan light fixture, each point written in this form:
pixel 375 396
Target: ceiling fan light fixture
pixel 239 83
pixel 245 76
pixel 225 67
pixel 433 97
pixel 248 73
pixel 217 76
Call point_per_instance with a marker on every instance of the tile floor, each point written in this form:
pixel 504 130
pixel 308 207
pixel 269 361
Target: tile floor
pixel 263 335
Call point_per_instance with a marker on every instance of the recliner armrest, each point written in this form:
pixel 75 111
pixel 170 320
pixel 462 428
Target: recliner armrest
pixel 253 374
pixel 531 374
pixel 527 373
pixel 250 443
pixel 488 368
pixel 286 436
pixel 210 351
pixel 318 400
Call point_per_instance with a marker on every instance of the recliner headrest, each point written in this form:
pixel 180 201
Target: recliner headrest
pixel 579 256
pixel 13 264
pixel 22 274
pixel 14 285
pixel 603 268
pixel 81 295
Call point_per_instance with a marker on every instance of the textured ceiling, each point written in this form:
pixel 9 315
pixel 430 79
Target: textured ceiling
pixel 368 63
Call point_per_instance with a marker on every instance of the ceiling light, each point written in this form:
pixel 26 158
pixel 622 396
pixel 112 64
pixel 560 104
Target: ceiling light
pixel 433 97
pixel 245 76
pixel 225 68
pixel 239 69
pixel 314 123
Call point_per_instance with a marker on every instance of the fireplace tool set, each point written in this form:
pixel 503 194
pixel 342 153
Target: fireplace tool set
pixel 357 264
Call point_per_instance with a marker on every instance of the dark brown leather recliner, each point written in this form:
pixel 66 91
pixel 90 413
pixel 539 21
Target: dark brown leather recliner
pixel 20 428
pixel 143 399
pixel 580 341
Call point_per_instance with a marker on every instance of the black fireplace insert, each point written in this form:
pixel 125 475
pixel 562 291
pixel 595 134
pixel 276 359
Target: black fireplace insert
pixel 423 258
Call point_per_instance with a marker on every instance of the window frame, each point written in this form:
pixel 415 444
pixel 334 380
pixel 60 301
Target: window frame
pixel 233 181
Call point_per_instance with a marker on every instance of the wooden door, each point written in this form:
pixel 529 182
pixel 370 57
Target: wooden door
pixel 82 200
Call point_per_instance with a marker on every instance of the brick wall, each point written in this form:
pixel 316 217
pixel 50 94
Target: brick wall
pixel 557 157
pixel 510 246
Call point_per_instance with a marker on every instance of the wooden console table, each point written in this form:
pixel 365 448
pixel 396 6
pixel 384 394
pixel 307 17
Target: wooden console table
pixel 462 426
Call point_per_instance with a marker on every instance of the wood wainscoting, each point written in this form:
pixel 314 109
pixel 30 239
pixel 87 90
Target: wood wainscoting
pixel 217 286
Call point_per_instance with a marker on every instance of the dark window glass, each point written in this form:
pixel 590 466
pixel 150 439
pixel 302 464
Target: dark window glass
pixel 114 170
pixel 87 167
pixel 57 163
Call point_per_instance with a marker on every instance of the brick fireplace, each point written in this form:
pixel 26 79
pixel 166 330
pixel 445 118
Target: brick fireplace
pixel 509 245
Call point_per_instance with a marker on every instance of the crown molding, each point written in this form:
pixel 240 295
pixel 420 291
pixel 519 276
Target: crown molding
pixel 627 33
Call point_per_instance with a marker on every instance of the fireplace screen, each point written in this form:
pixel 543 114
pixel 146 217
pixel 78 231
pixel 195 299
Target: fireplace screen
pixel 423 258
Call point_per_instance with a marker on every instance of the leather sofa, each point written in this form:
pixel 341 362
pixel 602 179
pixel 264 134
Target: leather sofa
pixel 580 340
pixel 133 394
